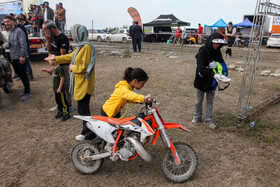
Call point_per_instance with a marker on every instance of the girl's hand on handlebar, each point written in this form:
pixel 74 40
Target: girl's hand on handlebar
pixel 148 98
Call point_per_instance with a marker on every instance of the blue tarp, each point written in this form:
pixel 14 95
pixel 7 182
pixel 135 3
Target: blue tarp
pixel 219 23
pixel 245 23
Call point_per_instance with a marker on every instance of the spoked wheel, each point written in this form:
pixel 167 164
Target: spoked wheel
pixel 182 172
pixel 80 158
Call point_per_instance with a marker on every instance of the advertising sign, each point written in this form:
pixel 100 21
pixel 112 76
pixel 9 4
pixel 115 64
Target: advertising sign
pixel 135 15
pixel 8 8
pixel 275 25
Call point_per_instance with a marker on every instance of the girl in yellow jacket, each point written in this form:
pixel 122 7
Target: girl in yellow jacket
pixel 133 78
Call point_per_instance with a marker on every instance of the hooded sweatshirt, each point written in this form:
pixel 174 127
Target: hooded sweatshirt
pixel 123 93
pixel 206 54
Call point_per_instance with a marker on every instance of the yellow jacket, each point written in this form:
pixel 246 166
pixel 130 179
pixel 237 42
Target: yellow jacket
pixel 123 93
pixel 81 85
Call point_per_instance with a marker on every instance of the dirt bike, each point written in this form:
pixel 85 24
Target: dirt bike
pixel 5 75
pixel 125 139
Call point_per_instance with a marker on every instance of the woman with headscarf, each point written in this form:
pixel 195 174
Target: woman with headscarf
pixel 82 78
pixel 207 58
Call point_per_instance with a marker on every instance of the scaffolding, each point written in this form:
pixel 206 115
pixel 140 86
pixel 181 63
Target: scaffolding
pixel 263 9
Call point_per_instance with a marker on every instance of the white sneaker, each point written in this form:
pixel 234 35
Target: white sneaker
pixel 195 121
pixel 211 125
pixel 54 109
pixel 80 137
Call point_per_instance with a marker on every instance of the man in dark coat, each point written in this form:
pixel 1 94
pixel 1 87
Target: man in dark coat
pixel 137 34
pixel 204 77
pixel 130 31
pixel 48 12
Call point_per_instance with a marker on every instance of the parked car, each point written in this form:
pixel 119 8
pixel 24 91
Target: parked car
pixel 273 41
pixel 96 34
pixel 120 35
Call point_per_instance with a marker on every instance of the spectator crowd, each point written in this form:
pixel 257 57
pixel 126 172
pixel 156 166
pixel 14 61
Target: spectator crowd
pixel 40 13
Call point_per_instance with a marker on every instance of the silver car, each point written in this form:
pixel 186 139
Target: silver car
pixel 120 35
pixel 96 34
pixel 273 41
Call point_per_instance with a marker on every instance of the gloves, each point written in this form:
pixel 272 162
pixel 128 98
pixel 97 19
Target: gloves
pixel 218 77
pixel 213 65
pixel 148 98
pixel 221 78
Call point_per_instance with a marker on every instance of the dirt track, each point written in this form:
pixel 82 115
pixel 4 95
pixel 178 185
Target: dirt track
pixel 36 148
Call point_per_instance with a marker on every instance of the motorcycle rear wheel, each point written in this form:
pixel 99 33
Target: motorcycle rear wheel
pixel 78 157
pixel 184 171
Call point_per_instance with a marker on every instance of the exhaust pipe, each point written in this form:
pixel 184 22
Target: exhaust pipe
pixel 139 149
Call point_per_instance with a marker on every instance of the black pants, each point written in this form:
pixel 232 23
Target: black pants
pixel 83 110
pixel 20 70
pixel 137 42
pixel 62 102
pixel 230 43
pixel 118 115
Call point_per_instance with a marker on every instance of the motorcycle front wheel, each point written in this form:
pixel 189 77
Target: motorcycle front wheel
pixel 184 171
pixel 80 158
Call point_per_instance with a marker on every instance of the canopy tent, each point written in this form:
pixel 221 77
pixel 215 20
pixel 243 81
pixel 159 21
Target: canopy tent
pixel 245 23
pixel 220 23
pixel 167 20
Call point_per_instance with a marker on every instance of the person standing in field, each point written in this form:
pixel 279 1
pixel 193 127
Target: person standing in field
pixel 230 34
pixel 199 33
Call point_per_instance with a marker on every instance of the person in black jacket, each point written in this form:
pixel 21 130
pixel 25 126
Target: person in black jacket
pixel 130 32
pixel 205 75
pixel 137 34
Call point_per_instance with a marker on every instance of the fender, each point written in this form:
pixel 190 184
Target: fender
pixel 175 125
pixel 168 126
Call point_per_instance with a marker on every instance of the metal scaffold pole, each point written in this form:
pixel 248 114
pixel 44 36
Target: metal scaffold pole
pixel 262 10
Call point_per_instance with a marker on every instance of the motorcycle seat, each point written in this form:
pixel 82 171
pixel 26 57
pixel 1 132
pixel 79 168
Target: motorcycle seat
pixel 115 121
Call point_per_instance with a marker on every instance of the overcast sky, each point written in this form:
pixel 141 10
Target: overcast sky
pixel 113 13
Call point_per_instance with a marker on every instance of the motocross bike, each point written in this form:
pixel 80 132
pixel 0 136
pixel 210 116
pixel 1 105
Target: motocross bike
pixel 5 75
pixel 125 139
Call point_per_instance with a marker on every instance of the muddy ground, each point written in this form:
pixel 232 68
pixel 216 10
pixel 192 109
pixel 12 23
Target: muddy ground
pixel 36 148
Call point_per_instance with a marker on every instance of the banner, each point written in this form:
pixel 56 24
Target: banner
pixel 275 25
pixel 8 8
pixel 135 15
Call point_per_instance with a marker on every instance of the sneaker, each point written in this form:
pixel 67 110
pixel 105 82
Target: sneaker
pixel 26 96
pixel 210 124
pixel 54 109
pixel 58 115
pixel 22 94
pixel 18 78
pixel 71 109
pixel 65 117
pixel 195 121
pixel 80 137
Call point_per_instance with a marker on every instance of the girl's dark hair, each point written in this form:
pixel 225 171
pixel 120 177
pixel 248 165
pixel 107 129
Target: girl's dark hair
pixel 135 73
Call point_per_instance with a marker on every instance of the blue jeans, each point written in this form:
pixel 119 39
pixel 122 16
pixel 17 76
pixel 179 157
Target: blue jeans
pixel 27 62
pixel 29 27
pixel 62 25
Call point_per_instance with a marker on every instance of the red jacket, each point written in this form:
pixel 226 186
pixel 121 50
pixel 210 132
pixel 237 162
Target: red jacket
pixel 178 33
pixel 200 29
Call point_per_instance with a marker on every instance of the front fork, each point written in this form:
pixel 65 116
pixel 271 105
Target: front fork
pixel 168 142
